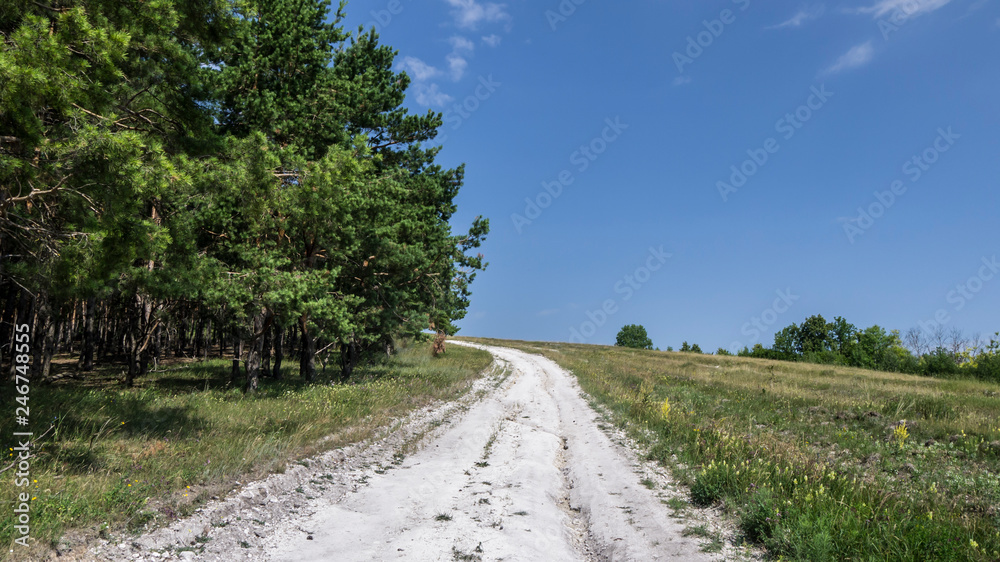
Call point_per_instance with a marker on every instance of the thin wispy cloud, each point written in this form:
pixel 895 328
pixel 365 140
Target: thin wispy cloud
pixel 426 94
pixel 431 95
pixel 456 66
pixel 470 13
pixel 425 91
pixel 492 40
pixel 682 80
pixel 548 312
pixel 802 16
pixel 461 49
pixel 460 43
pixel 418 69
pixel 857 56
pixel 911 8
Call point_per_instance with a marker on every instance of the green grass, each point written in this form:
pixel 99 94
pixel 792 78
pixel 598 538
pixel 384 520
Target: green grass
pixel 713 540
pixel 127 459
pixel 678 506
pixel 809 458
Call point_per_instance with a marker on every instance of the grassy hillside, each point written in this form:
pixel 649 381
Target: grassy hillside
pixel 817 463
pixel 121 459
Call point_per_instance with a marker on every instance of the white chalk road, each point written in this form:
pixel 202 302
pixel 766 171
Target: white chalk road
pixel 518 470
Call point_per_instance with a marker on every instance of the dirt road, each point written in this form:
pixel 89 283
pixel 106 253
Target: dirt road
pixel 519 470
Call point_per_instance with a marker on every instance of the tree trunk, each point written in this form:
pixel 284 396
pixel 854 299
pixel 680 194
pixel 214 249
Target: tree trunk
pixel 101 333
pixel 71 328
pixel 349 354
pixel 206 339
pixel 87 352
pixel 23 315
pixel 132 358
pixel 279 352
pixel 307 355
pixel 255 352
pixel 267 337
pixel 199 335
pixel 157 351
pixel 64 329
pixel 234 375
pixel 220 334
pixel 8 319
pixel 182 339
pixel 141 334
pixel 45 338
pixel 438 346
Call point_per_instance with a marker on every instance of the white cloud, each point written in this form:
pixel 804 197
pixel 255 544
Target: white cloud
pixel 418 69
pixel 857 56
pixel 457 61
pixel 803 15
pixel 461 44
pixel 681 80
pixel 470 13
pixel 431 95
pixel 492 40
pixel 421 72
pixel 548 312
pixel 457 65
pixel 911 8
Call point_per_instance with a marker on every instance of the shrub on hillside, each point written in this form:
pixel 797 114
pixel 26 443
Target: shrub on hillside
pixel 634 336
pixel 939 363
pixel 988 362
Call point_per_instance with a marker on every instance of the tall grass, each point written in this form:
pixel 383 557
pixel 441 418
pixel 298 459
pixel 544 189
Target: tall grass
pixel 815 462
pixel 123 459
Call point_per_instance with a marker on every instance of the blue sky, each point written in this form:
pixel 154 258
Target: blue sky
pixel 716 170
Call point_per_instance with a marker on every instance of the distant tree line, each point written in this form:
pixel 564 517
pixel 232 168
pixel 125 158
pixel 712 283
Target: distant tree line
pixel 217 178
pixel 692 348
pixel 942 353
